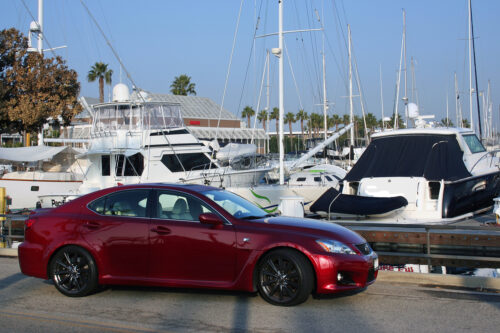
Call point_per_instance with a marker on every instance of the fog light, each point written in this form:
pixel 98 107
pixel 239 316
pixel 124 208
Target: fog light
pixel 340 277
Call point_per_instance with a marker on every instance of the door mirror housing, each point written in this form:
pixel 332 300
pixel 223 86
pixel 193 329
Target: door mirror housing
pixel 210 218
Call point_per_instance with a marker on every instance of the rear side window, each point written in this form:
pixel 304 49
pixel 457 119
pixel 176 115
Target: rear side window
pixel 131 203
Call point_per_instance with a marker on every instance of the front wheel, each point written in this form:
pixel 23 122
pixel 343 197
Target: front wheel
pixel 73 271
pixel 285 278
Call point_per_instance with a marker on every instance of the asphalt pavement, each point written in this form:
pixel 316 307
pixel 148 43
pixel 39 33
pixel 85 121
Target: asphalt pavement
pixel 34 305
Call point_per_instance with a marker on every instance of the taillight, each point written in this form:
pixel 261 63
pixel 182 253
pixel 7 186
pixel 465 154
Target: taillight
pixel 28 223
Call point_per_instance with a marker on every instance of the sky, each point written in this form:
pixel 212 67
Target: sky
pixel 158 40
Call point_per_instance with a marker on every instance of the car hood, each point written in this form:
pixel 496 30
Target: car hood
pixel 314 227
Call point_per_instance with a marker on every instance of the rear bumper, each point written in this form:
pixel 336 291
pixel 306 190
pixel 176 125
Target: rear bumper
pixel 354 271
pixel 31 260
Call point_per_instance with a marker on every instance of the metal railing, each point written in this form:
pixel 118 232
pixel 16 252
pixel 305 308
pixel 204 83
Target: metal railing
pixel 447 245
pixel 11 229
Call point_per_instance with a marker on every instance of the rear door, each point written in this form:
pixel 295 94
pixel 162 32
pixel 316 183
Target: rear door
pixel 184 249
pixel 119 230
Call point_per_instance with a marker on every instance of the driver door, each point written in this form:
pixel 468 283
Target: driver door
pixel 184 249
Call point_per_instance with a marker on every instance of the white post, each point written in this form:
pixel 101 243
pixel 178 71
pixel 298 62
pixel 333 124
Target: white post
pixel 381 97
pixel 325 106
pixel 281 98
pixel 40 25
pixel 351 107
pixel 470 67
pixel 267 102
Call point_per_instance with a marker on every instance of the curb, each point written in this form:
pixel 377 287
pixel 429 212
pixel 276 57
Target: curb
pixel 463 281
pixel 8 252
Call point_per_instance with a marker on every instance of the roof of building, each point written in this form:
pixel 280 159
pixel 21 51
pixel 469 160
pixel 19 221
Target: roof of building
pixel 195 107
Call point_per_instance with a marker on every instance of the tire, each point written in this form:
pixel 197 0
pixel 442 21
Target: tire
pixel 73 271
pixel 285 277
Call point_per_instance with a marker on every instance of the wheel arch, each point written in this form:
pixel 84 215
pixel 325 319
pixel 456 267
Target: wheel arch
pixel 296 249
pixel 63 245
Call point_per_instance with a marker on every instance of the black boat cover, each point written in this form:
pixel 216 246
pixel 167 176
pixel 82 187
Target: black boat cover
pixel 355 204
pixel 434 157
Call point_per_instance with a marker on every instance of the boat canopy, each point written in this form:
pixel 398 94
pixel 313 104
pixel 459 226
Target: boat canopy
pixel 110 117
pixel 33 154
pixel 434 157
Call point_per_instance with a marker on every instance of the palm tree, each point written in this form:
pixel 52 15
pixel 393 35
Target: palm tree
pixel 465 123
pixel 276 115
pixel 302 115
pixel 346 119
pixel 290 118
pixel 446 122
pixel 262 117
pixel 182 86
pixel 100 71
pixel 336 121
pixel 247 112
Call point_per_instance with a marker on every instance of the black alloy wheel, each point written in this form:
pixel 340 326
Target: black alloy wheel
pixel 73 271
pixel 285 277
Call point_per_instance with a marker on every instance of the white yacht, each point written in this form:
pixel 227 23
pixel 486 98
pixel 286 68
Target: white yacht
pixel 135 140
pixel 418 175
pixel 40 170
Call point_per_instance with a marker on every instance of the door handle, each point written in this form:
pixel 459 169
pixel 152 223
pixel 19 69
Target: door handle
pixel 92 225
pixel 161 230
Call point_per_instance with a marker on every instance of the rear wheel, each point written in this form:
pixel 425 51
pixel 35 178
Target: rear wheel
pixel 285 277
pixel 73 271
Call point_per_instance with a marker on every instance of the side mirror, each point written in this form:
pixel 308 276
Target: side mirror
pixel 210 218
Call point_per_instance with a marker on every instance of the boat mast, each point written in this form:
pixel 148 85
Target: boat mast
pixel 470 68
pixel 325 106
pixel 458 113
pixel 475 74
pixel 405 97
pixel 351 107
pixel 381 98
pixel 281 98
pixel 267 101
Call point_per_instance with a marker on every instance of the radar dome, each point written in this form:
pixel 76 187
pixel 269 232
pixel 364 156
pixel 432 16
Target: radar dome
pixel 120 93
pixel 413 110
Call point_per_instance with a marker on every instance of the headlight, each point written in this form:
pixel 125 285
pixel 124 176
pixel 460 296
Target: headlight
pixel 335 246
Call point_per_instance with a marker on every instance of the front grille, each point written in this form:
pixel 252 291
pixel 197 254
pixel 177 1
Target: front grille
pixel 364 248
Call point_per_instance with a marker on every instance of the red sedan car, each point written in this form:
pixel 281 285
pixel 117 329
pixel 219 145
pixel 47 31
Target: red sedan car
pixel 191 236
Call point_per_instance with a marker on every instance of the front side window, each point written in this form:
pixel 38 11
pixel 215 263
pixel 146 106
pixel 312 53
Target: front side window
pixel 235 205
pixel 177 206
pixel 131 203
pixel 475 146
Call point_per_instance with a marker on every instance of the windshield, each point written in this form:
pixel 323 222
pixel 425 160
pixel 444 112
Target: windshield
pixel 235 205
pixel 474 144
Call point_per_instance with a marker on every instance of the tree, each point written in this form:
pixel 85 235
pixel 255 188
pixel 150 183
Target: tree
pixel 302 115
pixel 276 115
pixel 446 122
pixel 99 71
pixel 371 121
pixel 336 121
pixel 247 112
pixel 289 118
pixel 400 121
pixel 262 117
pixel 34 88
pixel 465 123
pixel 182 86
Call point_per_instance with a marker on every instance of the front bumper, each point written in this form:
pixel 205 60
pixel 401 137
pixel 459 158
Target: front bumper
pixel 343 272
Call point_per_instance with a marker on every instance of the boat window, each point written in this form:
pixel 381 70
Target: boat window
pixel 317 179
pixel 119 165
pixel 105 165
pixel 328 178
pixel 192 161
pixel 124 203
pixel 134 165
pixel 301 179
pixel 475 146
